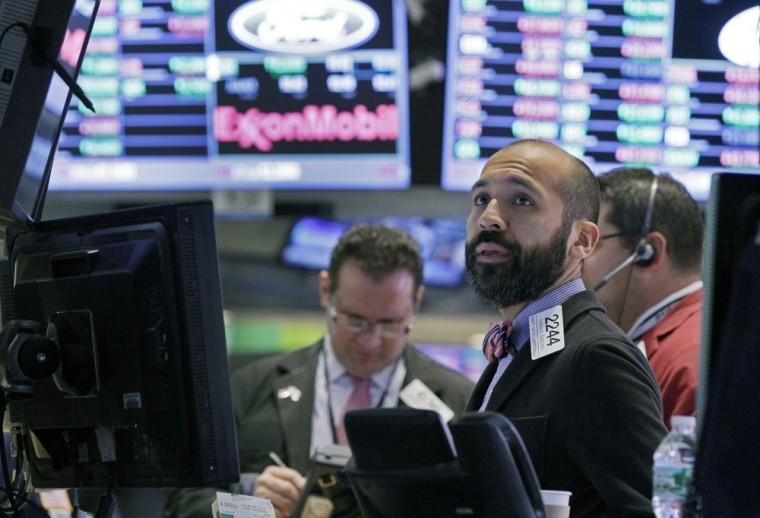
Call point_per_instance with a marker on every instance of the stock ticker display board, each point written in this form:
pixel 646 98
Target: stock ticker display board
pixel 667 84
pixel 204 94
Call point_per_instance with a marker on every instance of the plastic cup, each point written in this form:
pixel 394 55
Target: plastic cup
pixel 556 503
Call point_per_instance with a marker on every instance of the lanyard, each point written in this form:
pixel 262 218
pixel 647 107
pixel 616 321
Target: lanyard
pixel 651 321
pixel 659 311
pixel 329 395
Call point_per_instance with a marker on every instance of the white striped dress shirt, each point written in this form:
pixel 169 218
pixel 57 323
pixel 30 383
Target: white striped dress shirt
pixel 341 387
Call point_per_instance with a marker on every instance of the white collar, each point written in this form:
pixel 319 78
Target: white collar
pixel 336 370
pixel 654 314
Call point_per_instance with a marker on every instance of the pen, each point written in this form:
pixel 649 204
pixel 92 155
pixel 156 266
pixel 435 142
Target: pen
pixel 41 46
pixel 277 460
pixel 71 83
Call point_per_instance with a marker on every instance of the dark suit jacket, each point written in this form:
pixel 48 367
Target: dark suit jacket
pixel 267 423
pixel 590 414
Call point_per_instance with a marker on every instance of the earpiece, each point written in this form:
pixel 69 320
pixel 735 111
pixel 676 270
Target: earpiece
pixel 644 253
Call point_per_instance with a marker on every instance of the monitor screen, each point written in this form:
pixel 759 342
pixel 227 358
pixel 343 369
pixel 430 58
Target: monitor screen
pixel 725 471
pixel 113 350
pixel 409 463
pixel 666 84
pixel 441 240
pixel 223 94
pixel 467 361
pixel 34 99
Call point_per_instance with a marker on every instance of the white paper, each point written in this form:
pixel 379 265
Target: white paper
pixel 228 505
pixel 547 335
pixel 417 395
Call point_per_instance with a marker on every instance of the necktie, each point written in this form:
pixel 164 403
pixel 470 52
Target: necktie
pixel 360 398
pixel 496 343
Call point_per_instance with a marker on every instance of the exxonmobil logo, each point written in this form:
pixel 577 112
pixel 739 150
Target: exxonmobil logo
pixel 302 26
pixel 263 130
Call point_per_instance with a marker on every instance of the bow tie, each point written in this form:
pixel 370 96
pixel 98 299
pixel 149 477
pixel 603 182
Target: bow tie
pixel 496 343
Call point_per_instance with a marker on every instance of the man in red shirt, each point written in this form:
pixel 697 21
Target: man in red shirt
pixel 646 271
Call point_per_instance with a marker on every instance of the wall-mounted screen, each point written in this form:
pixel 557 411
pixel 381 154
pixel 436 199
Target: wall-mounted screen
pixel 667 84
pixel 441 240
pixel 467 361
pixel 223 94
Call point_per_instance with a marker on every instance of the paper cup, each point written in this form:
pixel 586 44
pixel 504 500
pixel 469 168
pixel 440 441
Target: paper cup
pixel 556 503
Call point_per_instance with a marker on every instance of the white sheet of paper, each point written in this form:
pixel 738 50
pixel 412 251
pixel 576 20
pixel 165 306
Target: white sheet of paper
pixel 417 395
pixel 228 505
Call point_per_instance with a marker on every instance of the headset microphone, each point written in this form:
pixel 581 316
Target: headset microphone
pixel 643 256
pixel 644 253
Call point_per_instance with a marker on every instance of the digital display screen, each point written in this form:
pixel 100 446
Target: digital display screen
pixel 222 94
pixel 467 361
pixel 442 241
pixel 34 97
pixel 666 84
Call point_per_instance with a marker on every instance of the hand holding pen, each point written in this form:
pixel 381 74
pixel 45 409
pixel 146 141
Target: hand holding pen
pixel 280 484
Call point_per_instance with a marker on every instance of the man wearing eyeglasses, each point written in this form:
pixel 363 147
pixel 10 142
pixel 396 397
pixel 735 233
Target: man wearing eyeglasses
pixel 646 272
pixel 292 405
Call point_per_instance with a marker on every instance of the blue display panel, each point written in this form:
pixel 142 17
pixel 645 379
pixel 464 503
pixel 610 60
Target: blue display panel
pixel 467 361
pixel 441 240
pixel 667 84
pixel 203 94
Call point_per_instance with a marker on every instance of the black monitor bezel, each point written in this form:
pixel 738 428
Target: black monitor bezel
pixel 26 105
pixel 188 227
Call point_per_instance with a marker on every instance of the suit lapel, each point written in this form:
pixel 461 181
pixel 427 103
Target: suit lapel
pixel 295 416
pixel 523 365
pixel 415 369
pixel 418 366
pixel 412 371
pixel 517 371
pixel 479 392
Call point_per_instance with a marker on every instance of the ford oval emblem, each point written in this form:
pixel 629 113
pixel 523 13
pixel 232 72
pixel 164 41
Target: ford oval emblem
pixel 738 35
pixel 302 26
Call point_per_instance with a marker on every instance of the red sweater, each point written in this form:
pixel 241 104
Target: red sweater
pixel 673 347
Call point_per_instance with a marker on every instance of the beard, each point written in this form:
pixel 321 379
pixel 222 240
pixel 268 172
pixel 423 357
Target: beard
pixel 523 276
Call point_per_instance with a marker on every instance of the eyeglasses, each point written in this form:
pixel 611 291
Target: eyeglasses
pixel 616 234
pixel 358 325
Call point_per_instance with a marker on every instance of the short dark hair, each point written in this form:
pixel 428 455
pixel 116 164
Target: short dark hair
pixel 580 189
pixel 378 251
pixel 675 214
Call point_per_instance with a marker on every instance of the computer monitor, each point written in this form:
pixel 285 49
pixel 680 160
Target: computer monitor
pixel 442 240
pixel 410 464
pixel 33 97
pixel 113 362
pixel 225 95
pixel 728 455
pixel 467 361
pixel 114 356
pixel 667 84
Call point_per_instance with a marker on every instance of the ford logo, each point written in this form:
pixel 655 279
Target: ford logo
pixel 737 36
pixel 302 26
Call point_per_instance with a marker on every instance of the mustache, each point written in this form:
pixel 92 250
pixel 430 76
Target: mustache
pixel 490 236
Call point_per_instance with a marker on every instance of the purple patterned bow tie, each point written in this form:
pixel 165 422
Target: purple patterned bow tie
pixel 496 343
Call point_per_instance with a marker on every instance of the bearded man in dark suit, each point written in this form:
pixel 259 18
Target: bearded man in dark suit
pixel 581 395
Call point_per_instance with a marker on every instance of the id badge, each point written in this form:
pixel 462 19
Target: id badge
pixel 547 335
